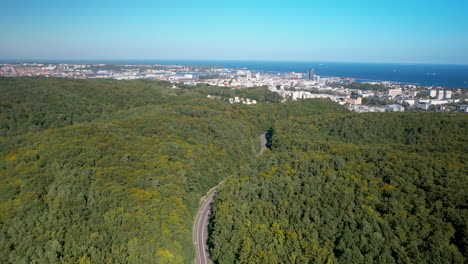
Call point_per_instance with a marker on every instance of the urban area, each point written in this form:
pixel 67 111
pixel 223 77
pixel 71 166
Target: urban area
pixel 358 96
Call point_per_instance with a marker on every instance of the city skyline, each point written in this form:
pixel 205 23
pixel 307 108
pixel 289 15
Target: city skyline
pixel 337 31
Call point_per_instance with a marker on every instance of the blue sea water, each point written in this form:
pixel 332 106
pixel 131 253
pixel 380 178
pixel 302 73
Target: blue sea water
pixel 445 75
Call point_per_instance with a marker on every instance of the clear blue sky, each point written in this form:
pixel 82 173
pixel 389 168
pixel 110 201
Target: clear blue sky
pixel 408 31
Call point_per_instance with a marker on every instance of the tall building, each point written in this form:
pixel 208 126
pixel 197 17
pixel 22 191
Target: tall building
pixel 311 75
pixel 413 93
pixel 448 94
pixel 440 94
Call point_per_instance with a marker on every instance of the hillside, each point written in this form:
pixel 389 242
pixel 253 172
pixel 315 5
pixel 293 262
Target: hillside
pixel 350 188
pixel 105 171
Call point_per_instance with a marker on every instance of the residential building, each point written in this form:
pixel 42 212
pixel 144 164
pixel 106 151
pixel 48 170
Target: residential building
pixel 355 101
pixel 461 108
pixel 394 92
pixel 448 94
pixel 440 94
pixel 394 108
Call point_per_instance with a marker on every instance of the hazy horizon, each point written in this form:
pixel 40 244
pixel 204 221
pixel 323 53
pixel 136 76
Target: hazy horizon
pixel 182 61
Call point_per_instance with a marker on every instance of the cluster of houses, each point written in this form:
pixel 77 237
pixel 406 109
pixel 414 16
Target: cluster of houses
pixel 238 100
pixel 438 99
pixel 402 96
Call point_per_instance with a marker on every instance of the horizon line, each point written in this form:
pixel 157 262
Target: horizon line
pixel 129 61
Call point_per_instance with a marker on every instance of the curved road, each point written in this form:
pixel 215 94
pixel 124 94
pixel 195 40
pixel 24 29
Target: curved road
pixel 200 230
pixel 200 227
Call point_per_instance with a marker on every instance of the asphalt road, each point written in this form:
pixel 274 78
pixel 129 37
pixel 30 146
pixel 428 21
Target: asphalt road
pixel 200 230
pixel 200 227
pixel 263 143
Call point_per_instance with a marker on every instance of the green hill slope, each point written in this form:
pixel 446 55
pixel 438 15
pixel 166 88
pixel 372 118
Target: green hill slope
pixel 351 188
pixel 105 171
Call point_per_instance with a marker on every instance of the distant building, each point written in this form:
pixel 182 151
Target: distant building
pixel 394 92
pixel 191 83
pixel 394 108
pixel 424 105
pixel 311 74
pixel 433 93
pixel 447 94
pixel 440 94
pixel 411 102
pixel 461 108
pixel 413 93
pixel 355 101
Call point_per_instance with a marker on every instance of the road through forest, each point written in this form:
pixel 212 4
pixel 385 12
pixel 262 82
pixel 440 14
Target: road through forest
pixel 200 227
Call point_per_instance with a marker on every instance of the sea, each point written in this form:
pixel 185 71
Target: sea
pixel 444 75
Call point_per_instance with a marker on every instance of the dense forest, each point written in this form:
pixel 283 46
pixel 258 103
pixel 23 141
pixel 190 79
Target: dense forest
pixel 350 188
pixel 259 93
pixel 106 171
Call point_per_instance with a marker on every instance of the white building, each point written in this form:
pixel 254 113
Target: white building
pixel 191 83
pixel 448 94
pixel 394 92
pixel 440 94
pixel 411 102
pixel 413 93
pixel 355 101
pixel 439 102
pixel 394 108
